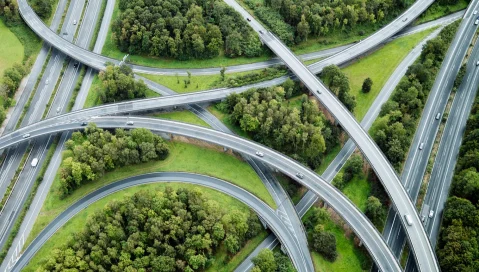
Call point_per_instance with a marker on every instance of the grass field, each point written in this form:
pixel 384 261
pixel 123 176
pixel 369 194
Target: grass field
pixel 198 83
pixel 379 66
pixel 221 263
pixel 183 157
pixel 182 116
pixel 436 11
pixel 11 49
pixel 349 257
pixel 358 190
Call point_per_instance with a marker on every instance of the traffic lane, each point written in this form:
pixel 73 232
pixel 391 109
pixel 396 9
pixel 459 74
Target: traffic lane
pixel 386 173
pixel 359 223
pixel 263 210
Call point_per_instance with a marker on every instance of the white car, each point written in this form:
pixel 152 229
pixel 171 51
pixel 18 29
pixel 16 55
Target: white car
pixel 475 12
pixel 431 213
pixel 34 162
pixel 47 81
pixel 26 135
pixel 130 123
pixel 299 175
pixel 259 154
pixel 74 22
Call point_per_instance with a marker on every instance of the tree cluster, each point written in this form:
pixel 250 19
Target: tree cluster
pixel 155 231
pixel 183 29
pixel 458 244
pixel 264 114
pixel 269 261
pixel 394 128
pixel 295 20
pixel 118 84
pixel 96 151
pixel 12 78
pixel 9 9
pixel 42 7
pixel 353 167
pixel 322 241
pixel 338 83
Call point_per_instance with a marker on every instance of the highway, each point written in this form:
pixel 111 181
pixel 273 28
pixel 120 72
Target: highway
pixel 338 162
pixel 262 209
pixel 420 245
pixel 448 151
pixel 97 61
pixel 58 105
pixel 345 208
pixel 417 160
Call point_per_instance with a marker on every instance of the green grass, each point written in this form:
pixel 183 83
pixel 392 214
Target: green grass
pixel 182 116
pixel 198 83
pixel 358 190
pixel 328 158
pixel 379 66
pixel 349 256
pixel 11 49
pixel 183 157
pixel 222 261
pixel 436 11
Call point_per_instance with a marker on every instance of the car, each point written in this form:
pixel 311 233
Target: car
pixel 475 12
pixel 75 65
pixel 248 19
pixel 477 63
pixel 59 109
pixel 318 91
pixel 74 22
pixel 65 33
pixel 476 22
pixel 438 115
pixel 26 135
pixel 421 146
pixel 130 123
pixel 259 154
pixel 84 123
pixel 34 162
pixel 47 81
pixel 431 213
pixel 261 32
pixel 408 219
pixel 404 20
pixel 299 175
pixel 423 218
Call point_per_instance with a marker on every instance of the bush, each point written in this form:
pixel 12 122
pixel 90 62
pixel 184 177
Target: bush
pixel 367 84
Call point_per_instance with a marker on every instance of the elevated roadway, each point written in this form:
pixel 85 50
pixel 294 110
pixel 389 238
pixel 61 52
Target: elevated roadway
pixel 358 222
pixel 262 209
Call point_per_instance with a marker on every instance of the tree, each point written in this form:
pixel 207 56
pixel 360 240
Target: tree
pixel 374 209
pixel 303 28
pixel 324 242
pixel 222 72
pixel 367 84
pixel 265 261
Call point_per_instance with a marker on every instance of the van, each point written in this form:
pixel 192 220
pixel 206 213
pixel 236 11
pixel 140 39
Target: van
pixel 438 115
pixel 34 162
pixel 421 146
pixel 408 219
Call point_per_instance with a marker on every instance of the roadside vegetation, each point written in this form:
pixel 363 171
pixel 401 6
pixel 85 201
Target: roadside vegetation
pixel 303 134
pixel 458 243
pixel 334 246
pixel 222 230
pixel 269 261
pixel 312 25
pixel 182 157
pixel 394 129
pixel 439 9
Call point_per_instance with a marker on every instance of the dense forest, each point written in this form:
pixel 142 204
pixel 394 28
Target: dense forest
pixel 395 127
pixel 183 29
pixel 9 11
pixel 302 133
pixel 155 231
pixel 269 261
pixel 458 244
pixel 296 20
pixel 338 83
pixel 96 151
pixel 119 84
